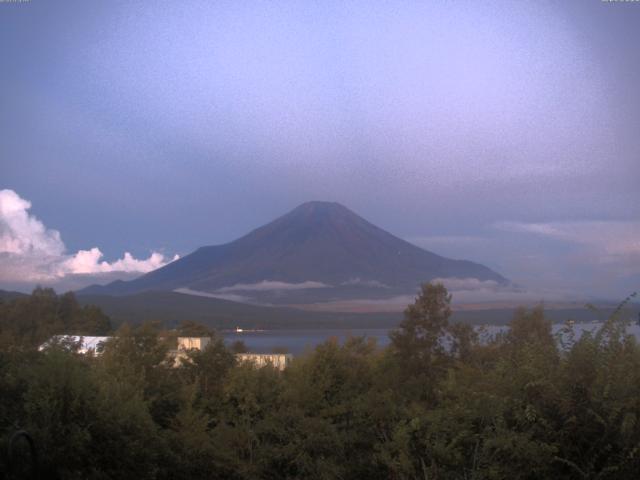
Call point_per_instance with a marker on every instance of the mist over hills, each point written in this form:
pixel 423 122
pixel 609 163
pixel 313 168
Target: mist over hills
pixel 170 308
pixel 317 252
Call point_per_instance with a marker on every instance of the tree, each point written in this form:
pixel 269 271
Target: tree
pixel 28 322
pixel 189 328
pixel 238 346
pixel 419 344
pixel 208 369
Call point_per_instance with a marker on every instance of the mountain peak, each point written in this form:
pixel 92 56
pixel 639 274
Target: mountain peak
pixel 320 242
pixel 315 215
pixel 317 206
pixel 320 204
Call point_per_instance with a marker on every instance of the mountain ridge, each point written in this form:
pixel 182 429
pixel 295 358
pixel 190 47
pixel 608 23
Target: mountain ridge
pixel 322 242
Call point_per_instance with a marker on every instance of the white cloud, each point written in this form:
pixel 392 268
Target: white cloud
pixel 88 261
pixel 267 285
pixel 615 243
pixel 467 291
pixel 358 282
pixel 222 296
pixel 613 236
pixel 454 284
pixel 30 252
pixel 23 234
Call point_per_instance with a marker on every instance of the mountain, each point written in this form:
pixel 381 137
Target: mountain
pixel 9 295
pixel 319 250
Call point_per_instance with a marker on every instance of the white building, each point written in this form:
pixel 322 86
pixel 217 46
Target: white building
pixel 90 345
pixel 259 360
pixel 95 345
pixel 184 344
pixel 197 343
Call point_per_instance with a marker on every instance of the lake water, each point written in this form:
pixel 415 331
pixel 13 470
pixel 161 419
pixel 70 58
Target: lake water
pixel 299 341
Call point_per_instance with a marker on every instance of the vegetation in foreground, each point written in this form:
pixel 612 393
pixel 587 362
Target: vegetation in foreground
pixel 437 403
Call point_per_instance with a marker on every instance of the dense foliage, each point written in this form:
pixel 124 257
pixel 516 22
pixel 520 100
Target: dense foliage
pixel 29 321
pixel 437 403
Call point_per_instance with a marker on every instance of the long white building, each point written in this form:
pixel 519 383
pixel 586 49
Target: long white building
pixel 259 360
pixel 92 345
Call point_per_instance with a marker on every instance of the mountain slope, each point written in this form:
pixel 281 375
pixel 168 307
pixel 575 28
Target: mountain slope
pixel 317 242
pixel 7 295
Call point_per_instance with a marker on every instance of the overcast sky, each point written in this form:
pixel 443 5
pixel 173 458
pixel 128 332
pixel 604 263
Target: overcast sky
pixel 503 132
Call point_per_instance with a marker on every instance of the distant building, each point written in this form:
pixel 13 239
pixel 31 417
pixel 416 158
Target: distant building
pixel 90 345
pixel 185 344
pixel 277 360
pixel 95 345
pixel 190 343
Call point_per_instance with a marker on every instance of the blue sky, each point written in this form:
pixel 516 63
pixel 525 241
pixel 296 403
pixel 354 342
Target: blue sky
pixel 502 132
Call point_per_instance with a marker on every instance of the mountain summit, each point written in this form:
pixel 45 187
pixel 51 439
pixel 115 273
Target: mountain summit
pixel 318 245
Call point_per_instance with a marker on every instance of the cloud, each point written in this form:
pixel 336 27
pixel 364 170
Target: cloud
pixel 473 291
pixel 358 282
pixel 23 234
pixel 88 261
pixel 614 243
pixel 30 252
pixel 222 296
pixel 613 236
pixel 454 284
pixel 461 300
pixel 268 285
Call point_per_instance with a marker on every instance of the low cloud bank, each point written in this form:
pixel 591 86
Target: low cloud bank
pixel 613 243
pixel 597 258
pixel 472 290
pixel 358 282
pixel 222 296
pixel 458 284
pixel 268 285
pixel 30 252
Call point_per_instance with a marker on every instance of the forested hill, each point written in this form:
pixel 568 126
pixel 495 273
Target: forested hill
pixel 171 308
pixel 9 295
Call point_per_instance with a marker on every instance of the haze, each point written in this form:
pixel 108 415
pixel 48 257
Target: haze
pixel 500 132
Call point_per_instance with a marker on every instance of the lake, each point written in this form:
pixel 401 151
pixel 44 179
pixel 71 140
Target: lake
pixel 299 341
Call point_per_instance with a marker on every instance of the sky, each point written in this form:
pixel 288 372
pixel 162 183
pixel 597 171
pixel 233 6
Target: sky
pixel 501 132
